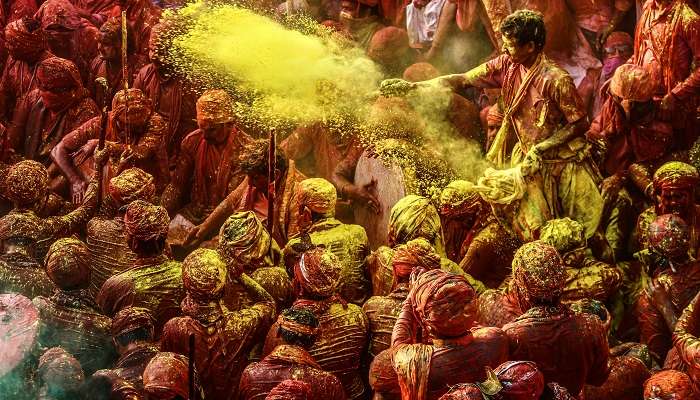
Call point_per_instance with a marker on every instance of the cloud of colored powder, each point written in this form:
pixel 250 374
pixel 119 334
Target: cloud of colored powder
pixel 282 75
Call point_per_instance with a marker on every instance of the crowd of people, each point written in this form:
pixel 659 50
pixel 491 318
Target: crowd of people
pixel 153 246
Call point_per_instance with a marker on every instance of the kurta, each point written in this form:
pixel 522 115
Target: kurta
pixel 152 283
pixel 570 349
pixel 109 252
pixel 289 362
pixel 382 313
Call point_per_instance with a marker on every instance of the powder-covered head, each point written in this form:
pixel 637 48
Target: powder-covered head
pixel 204 274
pixel 26 183
pixel 413 217
pixel 131 185
pixel 68 264
pixel 538 274
pixel 318 273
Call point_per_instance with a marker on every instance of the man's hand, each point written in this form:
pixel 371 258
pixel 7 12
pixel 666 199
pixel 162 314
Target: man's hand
pixel 363 195
pixel 532 162
pixel 610 187
pixel 396 87
pixel 78 188
pixel 192 239
pixel 668 103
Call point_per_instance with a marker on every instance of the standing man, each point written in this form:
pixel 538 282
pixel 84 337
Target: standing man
pixel 544 116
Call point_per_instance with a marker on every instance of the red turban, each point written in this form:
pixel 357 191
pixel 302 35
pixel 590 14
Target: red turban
pixel 59 370
pixel 669 385
pixel 318 272
pixel 243 239
pixel 204 274
pixel 132 184
pixel 23 39
pixel 421 71
pixel 290 390
pixel 632 82
pixel 669 235
pixel 166 376
pixel 140 107
pixel 215 106
pixel 521 380
pixel 417 253
pixel 130 319
pixel 675 175
pixel 443 302
pixel 144 221
pixel 618 38
pixel 388 45
pixel 26 183
pixel 538 273
pixel 68 264
pixel 58 12
pixel 58 73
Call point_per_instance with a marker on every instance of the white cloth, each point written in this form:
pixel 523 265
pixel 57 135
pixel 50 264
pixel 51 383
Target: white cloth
pixel 421 23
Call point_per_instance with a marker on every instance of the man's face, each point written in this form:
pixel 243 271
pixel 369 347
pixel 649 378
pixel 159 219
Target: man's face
pixel 621 50
pixel 519 53
pixel 213 132
pixel 675 200
pixel 109 51
pixel 258 181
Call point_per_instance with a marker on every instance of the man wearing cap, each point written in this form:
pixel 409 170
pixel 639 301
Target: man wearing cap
pixel 58 105
pixel 473 236
pixel 26 186
pixel 69 317
pixel 208 166
pixel 132 333
pixel 154 281
pixel 383 311
pixel 291 360
pixel 570 349
pixel 26 48
pixel 106 237
pixel 673 190
pixel 667 44
pixel 342 333
pixel 252 195
pixel 223 338
pixel 134 139
pixel 675 281
pixel 434 345
pixel 316 199
pixel 245 245
pixel 411 217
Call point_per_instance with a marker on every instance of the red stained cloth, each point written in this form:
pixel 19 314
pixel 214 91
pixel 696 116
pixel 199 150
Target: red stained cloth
pixel 170 99
pixel 130 319
pixel 55 72
pixel 675 175
pixel 451 363
pixel 417 253
pixel 521 380
pixel 341 341
pixel 204 275
pixel 681 287
pixel 289 362
pixel 22 43
pixel 669 385
pixel 569 349
pixel 538 274
pixel 382 313
pixel 290 390
pixel 223 341
pixel 686 342
pixel 318 273
pixel 498 307
pixel 26 183
pixel 166 376
pixel 626 380
pixel 205 173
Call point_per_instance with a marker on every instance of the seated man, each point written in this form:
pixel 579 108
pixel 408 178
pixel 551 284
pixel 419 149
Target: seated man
pixel 69 318
pixel 154 282
pixel 585 276
pixel 252 195
pixel 224 337
pixel 132 334
pixel 290 360
pixel 383 311
pixel 570 349
pixel 342 333
pixel 474 238
pixel 316 200
pixel 208 167
pixel 440 310
pixel 134 139
pixel 675 281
